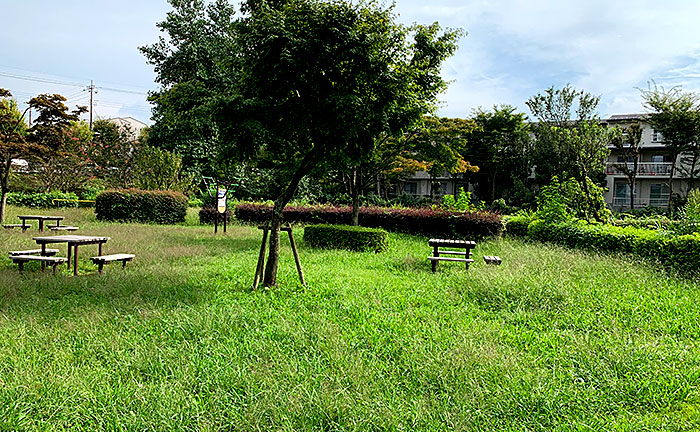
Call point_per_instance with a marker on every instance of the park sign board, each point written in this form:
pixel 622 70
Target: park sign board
pixel 221 200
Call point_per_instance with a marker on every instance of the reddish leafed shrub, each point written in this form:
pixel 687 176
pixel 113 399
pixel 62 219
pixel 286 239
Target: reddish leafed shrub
pixel 422 221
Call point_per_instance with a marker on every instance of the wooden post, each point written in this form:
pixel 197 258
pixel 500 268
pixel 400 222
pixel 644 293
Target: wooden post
pixel 216 221
pixel 296 256
pixel 261 259
pixel 224 222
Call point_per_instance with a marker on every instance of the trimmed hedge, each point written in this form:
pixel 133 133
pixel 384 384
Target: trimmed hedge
pixel 681 252
pixel 163 207
pixel 207 215
pixel 422 221
pixel 42 199
pixel 352 238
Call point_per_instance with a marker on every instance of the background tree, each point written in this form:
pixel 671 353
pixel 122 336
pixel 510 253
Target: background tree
pixel 500 145
pixel 111 153
pixel 13 144
pixel 627 143
pixel 676 114
pixel 65 167
pixel 557 110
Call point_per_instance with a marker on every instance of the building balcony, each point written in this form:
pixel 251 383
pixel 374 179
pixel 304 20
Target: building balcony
pixel 644 169
pixel 624 202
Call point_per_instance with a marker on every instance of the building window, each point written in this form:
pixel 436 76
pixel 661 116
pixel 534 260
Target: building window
pixel 659 194
pixel 656 136
pixel 411 188
pixel 622 190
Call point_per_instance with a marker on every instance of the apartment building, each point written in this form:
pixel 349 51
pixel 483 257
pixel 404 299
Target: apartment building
pixel 653 170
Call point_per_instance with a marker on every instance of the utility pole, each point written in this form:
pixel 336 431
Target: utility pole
pixel 92 90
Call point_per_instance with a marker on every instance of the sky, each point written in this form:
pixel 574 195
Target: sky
pixel 513 49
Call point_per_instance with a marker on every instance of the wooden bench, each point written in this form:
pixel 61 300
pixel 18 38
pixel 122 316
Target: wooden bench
pixel 47 252
pixel 493 260
pixel 106 259
pixel 21 259
pixel 454 244
pixel 63 228
pixel 13 226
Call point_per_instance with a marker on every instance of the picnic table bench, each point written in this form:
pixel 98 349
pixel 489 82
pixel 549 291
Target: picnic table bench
pixel 106 259
pixel 63 228
pixel 23 226
pixel 467 245
pixel 51 260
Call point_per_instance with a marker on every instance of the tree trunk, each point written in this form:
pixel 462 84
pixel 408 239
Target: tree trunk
pixel 355 191
pixel 270 278
pixel 674 156
pixel 4 187
pixel 632 180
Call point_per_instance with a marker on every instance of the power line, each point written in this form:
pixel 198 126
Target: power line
pixel 41 80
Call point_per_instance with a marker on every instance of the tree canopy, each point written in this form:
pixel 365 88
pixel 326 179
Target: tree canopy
pixel 298 83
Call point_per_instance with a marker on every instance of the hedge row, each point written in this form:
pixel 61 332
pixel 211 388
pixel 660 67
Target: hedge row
pixel 43 199
pixel 352 238
pixel 207 215
pixel 421 221
pixel 163 207
pixel 681 252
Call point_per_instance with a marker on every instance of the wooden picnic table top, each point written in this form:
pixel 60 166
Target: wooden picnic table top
pixel 70 239
pixel 41 217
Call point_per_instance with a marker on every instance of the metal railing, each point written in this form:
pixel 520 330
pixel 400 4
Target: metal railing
pixel 643 168
pixel 640 202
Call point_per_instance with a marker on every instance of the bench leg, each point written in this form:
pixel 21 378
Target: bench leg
pixel 75 261
pixel 124 264
pixel 21 267
pixel 436 253
pixel 100 268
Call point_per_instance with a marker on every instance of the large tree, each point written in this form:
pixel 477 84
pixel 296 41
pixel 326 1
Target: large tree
pixel 307 81
pixel 676 114
pixel 13 144
pixel 500 146
pixel 557 110
pixel 48 134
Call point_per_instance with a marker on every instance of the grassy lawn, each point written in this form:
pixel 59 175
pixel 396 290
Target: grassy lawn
pixel 553 339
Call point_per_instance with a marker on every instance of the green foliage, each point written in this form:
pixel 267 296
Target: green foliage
pixel 680 252
pixel 158 169
pixel 163 207
pixel 348 237
pixel 462 203
pixel 517 225
pixel 43 199
pixel 562 201
pixel 692 206
pixel 111 153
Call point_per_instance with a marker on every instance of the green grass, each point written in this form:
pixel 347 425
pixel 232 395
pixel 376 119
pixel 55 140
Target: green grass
pixel 553 339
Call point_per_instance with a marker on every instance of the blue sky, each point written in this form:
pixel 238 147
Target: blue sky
pixel 513 49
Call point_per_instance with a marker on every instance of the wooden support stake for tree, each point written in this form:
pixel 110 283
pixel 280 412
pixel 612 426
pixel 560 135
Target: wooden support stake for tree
pixel 296 256
pixel 261 260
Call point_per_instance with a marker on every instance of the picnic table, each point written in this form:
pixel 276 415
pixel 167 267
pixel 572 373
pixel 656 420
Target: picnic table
pixel 41 219
pixel 467 245
pixel 73 242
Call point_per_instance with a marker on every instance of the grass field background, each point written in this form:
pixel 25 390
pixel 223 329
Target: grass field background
pixel 554 339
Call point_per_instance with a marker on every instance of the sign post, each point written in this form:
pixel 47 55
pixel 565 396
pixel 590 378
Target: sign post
pixel 221 208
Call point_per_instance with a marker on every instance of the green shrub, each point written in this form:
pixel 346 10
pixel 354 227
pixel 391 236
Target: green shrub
pixel 163 207
pixel 53 199
pixel 347 237
pixel 517 225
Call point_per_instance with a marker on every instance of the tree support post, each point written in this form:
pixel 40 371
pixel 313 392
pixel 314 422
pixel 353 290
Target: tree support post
pixel 261 256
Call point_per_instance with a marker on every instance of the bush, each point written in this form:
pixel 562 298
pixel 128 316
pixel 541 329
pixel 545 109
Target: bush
pixel 347 237
pixel 681 252
pixel 422 221
pixel 207 215
pixel 43 199
pixel 517 225
pixel 164 207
